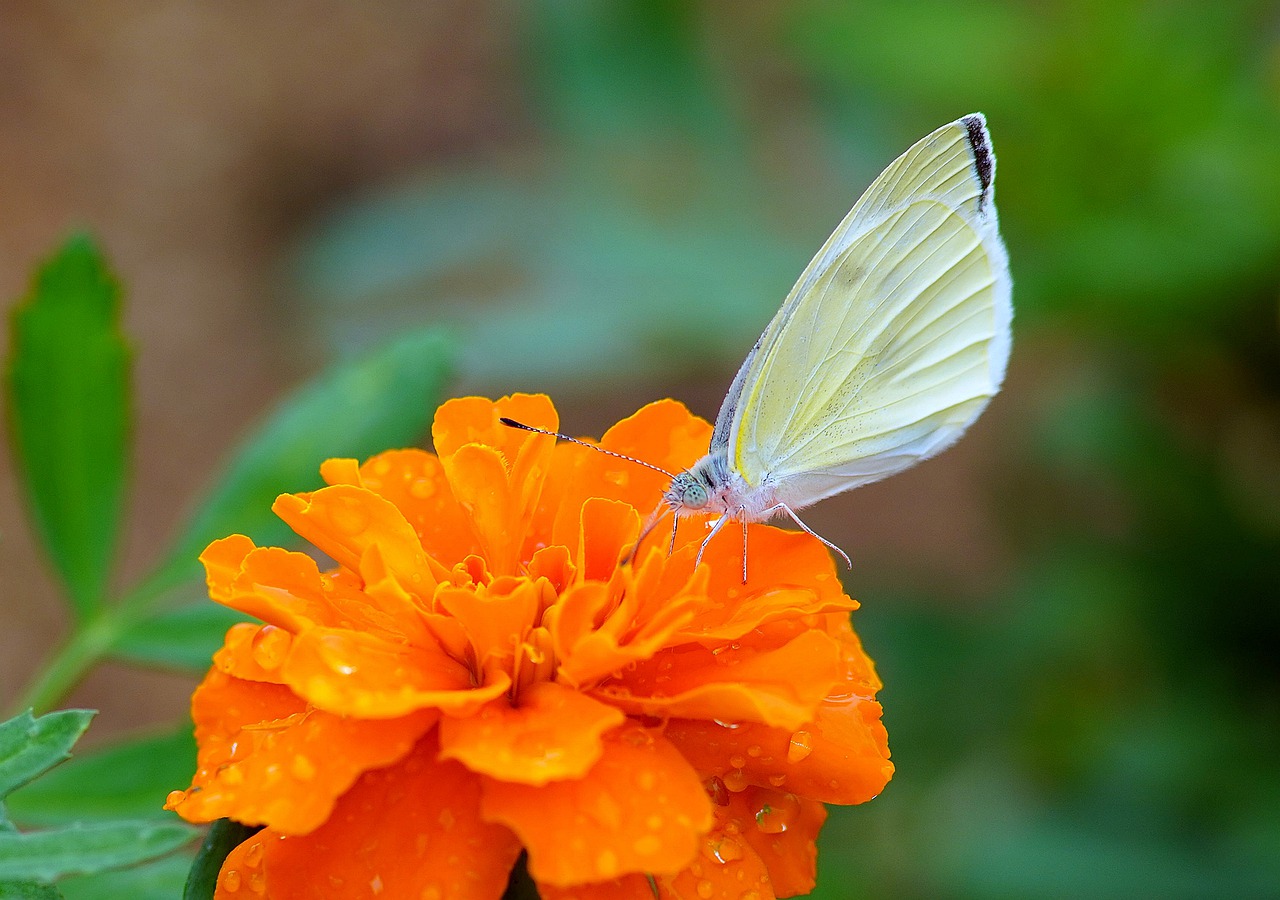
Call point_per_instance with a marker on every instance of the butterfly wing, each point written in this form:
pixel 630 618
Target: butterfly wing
pixel 893 340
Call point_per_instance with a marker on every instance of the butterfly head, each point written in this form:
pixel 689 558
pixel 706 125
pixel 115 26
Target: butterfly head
pixel 687 493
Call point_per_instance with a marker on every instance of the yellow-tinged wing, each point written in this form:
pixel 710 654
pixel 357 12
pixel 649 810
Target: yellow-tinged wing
pixel 894 338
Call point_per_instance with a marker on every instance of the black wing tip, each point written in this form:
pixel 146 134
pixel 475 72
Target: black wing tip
pixel 984 161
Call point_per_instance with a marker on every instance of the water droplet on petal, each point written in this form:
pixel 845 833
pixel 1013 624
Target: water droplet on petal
pixel 607 864
pixel 231 881
pixel 754 750
pixel 801 746
pixel 705 889
pixel 777 780
pixel 647 845
pixel 777 814
pixel 723 849
pixel 303 769
pixel 253 856
pixel 737 761
pixel 735 781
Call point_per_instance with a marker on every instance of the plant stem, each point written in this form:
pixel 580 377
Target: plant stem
pixel 90 640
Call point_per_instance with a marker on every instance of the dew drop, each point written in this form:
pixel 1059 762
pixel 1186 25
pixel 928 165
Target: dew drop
pixel 654 822
pixel 754 751
pixel 732 726
pixel 777 814
pixel 750 895
pixel 253 856
pixel 777 780
pixel 258 883
pixel 723 849
pixel 303 769
pixel 646 780
pixel 231 881
pixel 431 892
pixel 447 819
pixel 607 864
pixel 801 746
pixel 349 517
pixel 174 798
pixel 737 761
pixel 619 479
pixel 422 489
pixel 705 889
pixel 647 845
pixel 735 781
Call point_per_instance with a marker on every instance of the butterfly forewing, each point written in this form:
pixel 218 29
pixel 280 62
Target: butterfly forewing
pixel 893 340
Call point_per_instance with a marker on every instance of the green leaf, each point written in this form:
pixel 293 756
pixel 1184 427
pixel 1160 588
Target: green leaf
pixel 28 890
pixel 183 639
pixel 126 781
pixel 223 837
pixel 159 880
pixel 381 400
pixel 30 746
pixel 84 849
pixel 69 414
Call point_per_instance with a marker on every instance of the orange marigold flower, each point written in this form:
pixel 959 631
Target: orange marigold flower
pixel 479 674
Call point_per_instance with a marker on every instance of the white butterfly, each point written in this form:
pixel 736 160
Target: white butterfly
pixel 891 343
pixel 889 346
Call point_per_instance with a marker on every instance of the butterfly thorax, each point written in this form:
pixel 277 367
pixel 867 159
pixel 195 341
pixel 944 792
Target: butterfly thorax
pixel 710 486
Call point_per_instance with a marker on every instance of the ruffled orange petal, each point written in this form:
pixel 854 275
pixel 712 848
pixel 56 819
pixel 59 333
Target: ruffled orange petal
pixel 497 473
pixel 356 674
pixel 555 733
pixel 641 808
pixel 414 481
pixel 842 756
pixel 267 758
pixel 408 830
pixel 599 629
pixel 346 522
pixel 253 652
pixel 782 830
pixel 495 618
pixel 727 866
pixel 790 575
pixel 780 687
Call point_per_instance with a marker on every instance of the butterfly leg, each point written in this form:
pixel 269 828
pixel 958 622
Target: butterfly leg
pixel 675 523
pixel 782 507
pixel 715 529
pixel 742 516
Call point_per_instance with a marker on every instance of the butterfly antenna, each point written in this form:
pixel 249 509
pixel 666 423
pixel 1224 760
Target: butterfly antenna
pixel 512 423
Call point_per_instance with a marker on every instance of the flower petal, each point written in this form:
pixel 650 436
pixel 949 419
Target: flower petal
pixel 409 830
pixel 267 758
pixel 841 756
pixel 782 830
pixel 553 735
pixel 780 687
pixel 641 808
pixel 414 481
pixel 346 522
pixel 356 674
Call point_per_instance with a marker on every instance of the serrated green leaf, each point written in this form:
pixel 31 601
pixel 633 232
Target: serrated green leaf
pixel 159 880
pixel 85 849
pixel 128 780
pixel 28 890
pixel 223 837
pixel 69 414
pixel 30 746
pixel 183 638
pixel 378 401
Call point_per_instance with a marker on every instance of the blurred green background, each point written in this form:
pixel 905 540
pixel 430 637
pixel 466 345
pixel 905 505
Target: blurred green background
pixel 1076 611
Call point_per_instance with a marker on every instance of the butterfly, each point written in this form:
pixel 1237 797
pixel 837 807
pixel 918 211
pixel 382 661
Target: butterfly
pixel 890 345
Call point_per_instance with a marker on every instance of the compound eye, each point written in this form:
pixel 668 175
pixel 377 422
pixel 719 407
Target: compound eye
pixel 694 496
